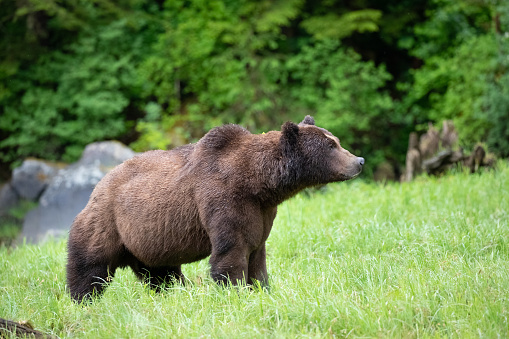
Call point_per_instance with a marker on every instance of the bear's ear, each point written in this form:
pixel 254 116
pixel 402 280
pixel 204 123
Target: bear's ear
pixel 308 120
pixel 289 133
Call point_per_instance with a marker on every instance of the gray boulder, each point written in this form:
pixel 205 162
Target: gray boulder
pixel 32 177
pixel 69 190
pixel 106 154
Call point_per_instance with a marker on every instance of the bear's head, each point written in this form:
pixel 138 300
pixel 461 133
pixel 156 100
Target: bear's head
pixel 315 156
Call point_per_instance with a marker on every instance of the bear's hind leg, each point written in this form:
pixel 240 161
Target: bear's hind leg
pixel 157 277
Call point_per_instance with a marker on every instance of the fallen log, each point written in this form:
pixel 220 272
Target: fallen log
pixel 442 161
pixel 9 327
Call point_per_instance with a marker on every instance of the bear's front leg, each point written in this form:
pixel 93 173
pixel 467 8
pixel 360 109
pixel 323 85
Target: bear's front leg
pixel 229 263
pixel 257 267
pixel 86 276
pixel 234 234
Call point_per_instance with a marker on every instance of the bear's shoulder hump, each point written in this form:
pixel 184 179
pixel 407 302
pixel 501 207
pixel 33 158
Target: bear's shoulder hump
pixel 222 136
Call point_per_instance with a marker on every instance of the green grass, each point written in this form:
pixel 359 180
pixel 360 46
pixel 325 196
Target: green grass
pixel 423 259
pixel 12 223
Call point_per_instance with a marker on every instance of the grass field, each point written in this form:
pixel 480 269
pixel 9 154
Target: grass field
pixel 423 259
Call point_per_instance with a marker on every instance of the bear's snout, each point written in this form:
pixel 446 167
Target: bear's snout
pixel 361 160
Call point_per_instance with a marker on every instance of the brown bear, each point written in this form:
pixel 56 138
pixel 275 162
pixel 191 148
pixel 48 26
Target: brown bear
pixel 217 197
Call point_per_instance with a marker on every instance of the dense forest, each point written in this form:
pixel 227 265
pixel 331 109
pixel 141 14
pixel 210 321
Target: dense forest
pixel 158 74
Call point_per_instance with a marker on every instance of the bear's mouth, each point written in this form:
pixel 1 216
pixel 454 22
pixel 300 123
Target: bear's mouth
pixel 356 174
pixel 344 177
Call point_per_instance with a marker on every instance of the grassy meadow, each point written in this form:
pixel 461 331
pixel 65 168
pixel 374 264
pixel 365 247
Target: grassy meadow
pixel 426 259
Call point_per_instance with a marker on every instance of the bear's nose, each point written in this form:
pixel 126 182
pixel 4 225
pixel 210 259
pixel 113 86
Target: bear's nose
pixel 361 160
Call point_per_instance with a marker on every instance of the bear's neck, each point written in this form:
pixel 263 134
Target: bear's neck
pixel 280 175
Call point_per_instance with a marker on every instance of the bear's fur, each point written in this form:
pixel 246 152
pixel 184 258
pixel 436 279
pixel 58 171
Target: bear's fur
pixel 217 197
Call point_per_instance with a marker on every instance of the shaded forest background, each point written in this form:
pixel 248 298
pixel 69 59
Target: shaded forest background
pixel 158 74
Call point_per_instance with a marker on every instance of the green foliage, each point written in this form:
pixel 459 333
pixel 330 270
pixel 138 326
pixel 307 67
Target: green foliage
pixel 344 93
pixel 74 96
pixel 333 26
pixel 453 86
pixel 495 112
pixel 494 104
pixel 449 24
pixel 229 62
pixel 211 66
pixel 423 259
pixel 463 76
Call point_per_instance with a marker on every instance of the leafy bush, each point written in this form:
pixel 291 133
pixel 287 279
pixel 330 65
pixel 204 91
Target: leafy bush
pixel 214 64
pixel 464 76
pixel 494 104
pixel 230 63
pixel 75 95
pixel 454 85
